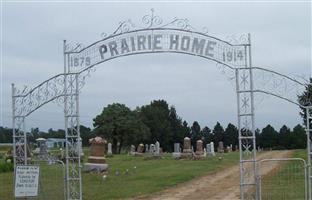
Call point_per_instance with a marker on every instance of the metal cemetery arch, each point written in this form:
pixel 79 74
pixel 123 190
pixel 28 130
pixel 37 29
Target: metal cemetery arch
pixel 177 36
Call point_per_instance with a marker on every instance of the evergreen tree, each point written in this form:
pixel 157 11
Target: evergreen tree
pixel 208 136
pixel 268 137
pixel 285 138
pixel 176 126
pixel 299 137
pixel 231 135
pixel 305 99
pixel 186 130
pixel 218 132
pixel 195 133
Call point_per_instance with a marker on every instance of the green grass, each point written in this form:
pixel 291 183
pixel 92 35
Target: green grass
pixel 51 183
pixel 287 181
pixel 151 175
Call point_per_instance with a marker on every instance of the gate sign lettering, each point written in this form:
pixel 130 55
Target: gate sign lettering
pixel 159 41
pixel 26 181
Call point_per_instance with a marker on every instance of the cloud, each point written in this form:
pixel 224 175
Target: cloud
pixel 33 34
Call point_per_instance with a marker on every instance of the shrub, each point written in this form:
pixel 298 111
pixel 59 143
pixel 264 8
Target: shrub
pixel 6 167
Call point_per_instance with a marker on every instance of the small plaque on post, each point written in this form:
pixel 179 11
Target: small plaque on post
pixel 26 181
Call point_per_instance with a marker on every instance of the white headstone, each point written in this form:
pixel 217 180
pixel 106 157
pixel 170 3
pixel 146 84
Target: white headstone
pixel 157 150
pixel 152 149
pixel 210 149
pixel 109 149
pixel 146 148
pixel 177 147
pixel 132 150
pixel 177 151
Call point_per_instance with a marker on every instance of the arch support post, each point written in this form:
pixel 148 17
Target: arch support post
pixel 309 153
pixel 246 129
pixel 72 132
pixel 19 136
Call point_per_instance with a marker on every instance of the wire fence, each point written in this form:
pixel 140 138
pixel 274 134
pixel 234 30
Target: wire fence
pixel 51 181
pixel 283 179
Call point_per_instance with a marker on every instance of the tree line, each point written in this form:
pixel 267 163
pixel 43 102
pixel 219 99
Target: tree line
pixel 158 121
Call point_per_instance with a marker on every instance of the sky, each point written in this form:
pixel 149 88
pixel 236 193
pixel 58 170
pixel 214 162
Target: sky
pixel 33 34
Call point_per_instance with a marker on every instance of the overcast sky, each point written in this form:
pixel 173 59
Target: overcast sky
pixel 33 34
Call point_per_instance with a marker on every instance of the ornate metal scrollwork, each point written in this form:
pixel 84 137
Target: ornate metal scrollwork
pixel 28 100
pixel 152 21
pixel 227 72
pixel 237 39
pixel 74 47
pixel 279 85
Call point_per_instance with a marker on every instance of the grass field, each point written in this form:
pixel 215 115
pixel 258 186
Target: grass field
pixel 150 175
pixel 287 181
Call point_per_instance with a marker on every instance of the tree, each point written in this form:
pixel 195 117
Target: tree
pixel 208 136
pixel 6 135
pixel 268 137
pixel 285 138
pixel 165 125
pixel 156 117
pixel 299 137
pixel 177 128
pixel 231 135
pixel 305 99
pixel 85 134
pixel 118 124
pixel 218 132
pixel 186 130
pixel 195 133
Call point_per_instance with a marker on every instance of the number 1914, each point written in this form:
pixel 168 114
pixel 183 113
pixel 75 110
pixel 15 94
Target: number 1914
pixel 230 56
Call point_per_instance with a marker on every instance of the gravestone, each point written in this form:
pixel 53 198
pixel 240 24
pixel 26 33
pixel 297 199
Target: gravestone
pixel 146 148
pixel 96 159
pixel 210 149
pixel 157 148
pixel 187 148
pixel 43 150
pixel 132 150
pixel 80 147
pixel 140 150
pixel 205 152
pixel 199 148
pixel 227 149
pixel 109 149
pixel 176 153
pixel 221 147
pixel 152 149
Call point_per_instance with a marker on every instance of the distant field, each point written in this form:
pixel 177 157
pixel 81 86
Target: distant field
pixel 149 176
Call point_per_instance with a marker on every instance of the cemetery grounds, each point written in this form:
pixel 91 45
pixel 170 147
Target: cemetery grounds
pixel 166 178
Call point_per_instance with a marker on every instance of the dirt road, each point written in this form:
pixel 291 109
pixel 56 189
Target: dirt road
pixel 221 185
